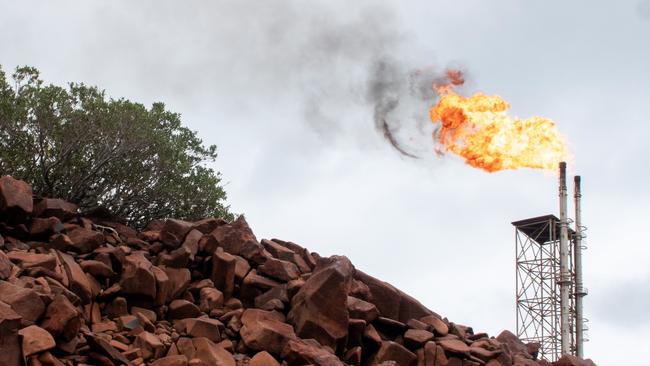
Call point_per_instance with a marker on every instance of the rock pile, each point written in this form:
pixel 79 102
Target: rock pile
pixel 90 291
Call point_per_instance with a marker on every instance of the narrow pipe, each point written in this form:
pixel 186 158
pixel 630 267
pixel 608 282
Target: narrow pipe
pixel 565 331
pixel 580 291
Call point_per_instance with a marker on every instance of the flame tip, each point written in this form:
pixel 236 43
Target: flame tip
pixel 479 130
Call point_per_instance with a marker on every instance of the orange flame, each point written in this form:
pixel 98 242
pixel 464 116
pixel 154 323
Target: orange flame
pixel 480 131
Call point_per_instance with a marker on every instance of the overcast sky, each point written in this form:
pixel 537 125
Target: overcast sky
pixel 289 92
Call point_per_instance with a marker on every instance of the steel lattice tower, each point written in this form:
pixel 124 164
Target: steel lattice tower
pixel 537 242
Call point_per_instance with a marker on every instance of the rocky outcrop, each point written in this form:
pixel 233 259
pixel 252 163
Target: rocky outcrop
pixel 75 290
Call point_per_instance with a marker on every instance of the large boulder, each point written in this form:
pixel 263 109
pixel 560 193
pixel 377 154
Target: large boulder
pixel 29 260
pixel 6 267
pixel 212 354
pixel 391 302
pixel 235 238
pixel 223 272
pixel 35 340
pixel 279 269
pixel 137 276
pixel 62 319
pixel 173 232
pixel 54 207
pixel 392 351
pixel 15 198
pixel 77 280
pixel 319 309
pixel 263 331
pixel 299 352
pixel 84 240
pixel 10 348
pixel 23 301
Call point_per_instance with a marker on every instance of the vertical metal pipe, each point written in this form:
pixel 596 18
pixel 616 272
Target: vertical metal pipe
pixel 564 265
pixel 580 292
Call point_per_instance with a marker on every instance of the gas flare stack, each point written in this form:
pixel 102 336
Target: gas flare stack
pixel 549 287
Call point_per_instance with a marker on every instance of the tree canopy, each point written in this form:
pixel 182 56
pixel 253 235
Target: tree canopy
pixel 77 144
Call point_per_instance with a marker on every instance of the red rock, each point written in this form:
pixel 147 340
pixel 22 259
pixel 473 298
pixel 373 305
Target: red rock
pixel 10 348
pixel 29 260
pixel 208 225
pixel 23 301
pixel 276 293
pixel 102 346
pixel 483 353
pixel 522 360
pixel 181 309
pixel 391 302
pixel 281 270
pixel 191 242
pixel 439 327
pixel 55 207
pixel 150 345
pixel 257 315
pixel 242 267
pixel 533 349
pixel 319 309
pixel 372 336
pixel 569 360
pixel 205 327
pixel 212 354
pixel 515 345
pixel 6 267
pixel 353 356
pixel 130 322
pixel 117 307
pixel 266 335
pixel 164 287
pixel 15 196
pixel 453 345
pixel 149 314
pixel 415 338
pixel 233 238
pixel 416 324
pixel 137 276
pixel 263 358
pixel 298 352
pixel 97 268
pixel 186 347
pixel 177 360
pixel 461 331
pixel 384 296
pixel 179 280
pixel 300 251
pixel 62 319
pixel 356 328
pixel 360 309
pixel 430 350
pixel 301 263
pixel 149 235
pixel 35 339
pixel 223 272
pixel 43 228
pixel 261 282
pixel 173 232
pixel 210 299
pixel 85 241
pixel 78 282
pixel 177 258
pixel 253 252
pixel 278 251
pixel 46 358
pixel 391 351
